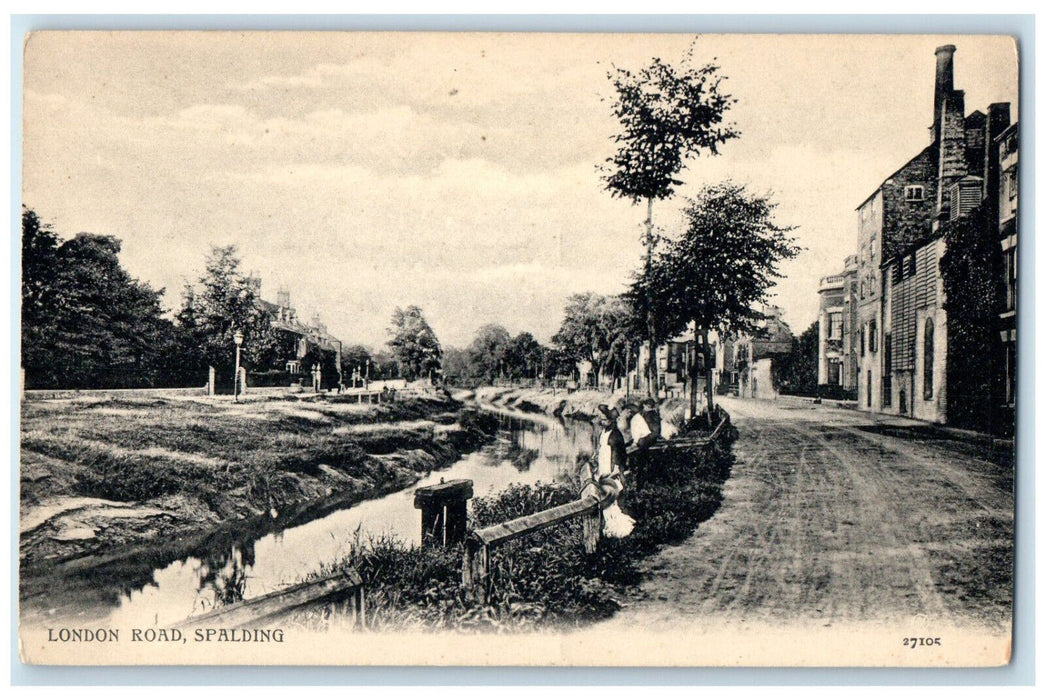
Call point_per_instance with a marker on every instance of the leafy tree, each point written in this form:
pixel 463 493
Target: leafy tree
pixel 414 343
pixel 488 351
pixel 39 274
pixel 88 323
pixel 668 114
pixel 523 356
pixel 715 275
pixel 796 372
pixel 597 329
pixel 223 301
pixel 357 357
pixel 457 367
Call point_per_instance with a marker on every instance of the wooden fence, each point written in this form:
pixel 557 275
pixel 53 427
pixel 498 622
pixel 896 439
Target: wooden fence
pixel 475 569
pixel 281 603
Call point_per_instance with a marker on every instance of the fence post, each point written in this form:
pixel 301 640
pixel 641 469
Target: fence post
pixel 444 511
pixel 359 609
pixel 475 569
pixel 592 528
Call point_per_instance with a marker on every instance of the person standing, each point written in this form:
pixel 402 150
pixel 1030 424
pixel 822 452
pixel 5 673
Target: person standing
pixel 610 463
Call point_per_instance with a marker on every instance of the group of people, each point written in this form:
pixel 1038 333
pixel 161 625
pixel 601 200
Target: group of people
pixel 639 425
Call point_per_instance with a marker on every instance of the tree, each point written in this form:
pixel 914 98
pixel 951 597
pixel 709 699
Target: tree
pixel 596 329
pixel 668 114
pixel 86 322
pixel 523 356
pixel 224 301
pixel 796 372
pixel 488 350
pixel 39 274
pixel 720 269
pixel 414 343
pixel 357 357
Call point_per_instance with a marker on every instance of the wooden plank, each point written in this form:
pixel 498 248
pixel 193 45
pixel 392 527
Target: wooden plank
pixel 510 530
pixel 281 602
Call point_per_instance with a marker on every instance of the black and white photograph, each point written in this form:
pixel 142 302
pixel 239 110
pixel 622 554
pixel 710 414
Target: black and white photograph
pixel 518 349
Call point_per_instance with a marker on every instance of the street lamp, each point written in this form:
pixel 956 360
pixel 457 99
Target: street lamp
pixel 367 379
pixel 237 338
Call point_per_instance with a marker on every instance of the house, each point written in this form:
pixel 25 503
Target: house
pixel 1007 147
pixel 900 333
pixel 302 341
pixel 836 325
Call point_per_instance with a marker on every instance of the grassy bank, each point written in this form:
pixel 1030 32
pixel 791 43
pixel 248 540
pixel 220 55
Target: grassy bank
pixel 545 579
pixel 102 472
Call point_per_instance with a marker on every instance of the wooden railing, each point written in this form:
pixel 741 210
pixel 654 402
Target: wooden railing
pixel 475 569
pixel 275 605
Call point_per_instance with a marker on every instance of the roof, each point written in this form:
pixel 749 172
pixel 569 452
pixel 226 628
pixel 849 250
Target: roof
pixel 928 150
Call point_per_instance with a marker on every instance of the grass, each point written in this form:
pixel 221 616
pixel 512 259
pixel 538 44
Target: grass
pixel 545 579
pixel 228 460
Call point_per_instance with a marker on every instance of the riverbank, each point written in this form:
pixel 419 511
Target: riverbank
pixel 577 405
pixel 545 579
pixel 103 473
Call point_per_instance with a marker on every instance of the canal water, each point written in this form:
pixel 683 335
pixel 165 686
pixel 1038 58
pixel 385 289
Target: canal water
pixel 527 449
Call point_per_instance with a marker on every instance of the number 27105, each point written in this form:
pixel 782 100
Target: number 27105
pixel 913 642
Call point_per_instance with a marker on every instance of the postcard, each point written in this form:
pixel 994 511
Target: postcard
pixel 394 348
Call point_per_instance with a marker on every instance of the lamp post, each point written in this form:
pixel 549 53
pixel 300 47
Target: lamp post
pixel 367 379
pixel 238 339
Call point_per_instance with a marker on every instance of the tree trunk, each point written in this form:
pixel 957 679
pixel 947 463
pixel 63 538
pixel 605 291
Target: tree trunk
pixel 694 372
pixel 628 361
pixel 652 342
pixel 708 379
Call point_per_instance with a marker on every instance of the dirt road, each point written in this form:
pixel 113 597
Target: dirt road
pixel 830 518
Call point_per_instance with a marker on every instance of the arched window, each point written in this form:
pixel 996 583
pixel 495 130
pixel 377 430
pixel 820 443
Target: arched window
pixel 928 360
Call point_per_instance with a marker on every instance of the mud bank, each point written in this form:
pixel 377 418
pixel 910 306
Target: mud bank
pixel 101 475
pixel 576 405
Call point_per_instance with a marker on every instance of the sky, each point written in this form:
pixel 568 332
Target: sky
pixel 457 172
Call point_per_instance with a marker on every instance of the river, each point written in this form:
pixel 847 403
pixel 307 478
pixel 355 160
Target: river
pixel 527 449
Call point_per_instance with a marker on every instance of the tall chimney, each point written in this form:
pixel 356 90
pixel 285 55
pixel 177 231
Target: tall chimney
pixel 943 85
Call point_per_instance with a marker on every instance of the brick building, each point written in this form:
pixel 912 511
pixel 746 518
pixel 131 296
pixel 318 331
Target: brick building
pixel 1007 148
pixel 902 332
pixel 836 325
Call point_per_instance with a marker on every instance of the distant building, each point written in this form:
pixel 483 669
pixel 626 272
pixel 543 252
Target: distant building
pixel 836 325
pixel 303 338
pixel 755 354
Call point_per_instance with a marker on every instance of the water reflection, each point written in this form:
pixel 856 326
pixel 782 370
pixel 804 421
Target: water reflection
pixel 252 559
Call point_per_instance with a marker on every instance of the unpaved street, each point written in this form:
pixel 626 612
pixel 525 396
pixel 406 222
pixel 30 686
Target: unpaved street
pixel 831 518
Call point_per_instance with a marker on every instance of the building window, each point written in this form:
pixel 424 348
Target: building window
pixel 1011 373
pixel 872 345
pixel 913 193
pixel 835 326
pixel 869 383
pixel 1010 262
pixel 928 360
pixel 862 341
pixel 1011 184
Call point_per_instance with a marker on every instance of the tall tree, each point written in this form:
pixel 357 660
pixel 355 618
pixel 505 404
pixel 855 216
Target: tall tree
pixel 226 300
pixel 88 323
pixel 796 372
pixel 596 329
pixel 716 274
pixel 414 343
pixel 523 356
pixel 488 350
pixel 668 114
pixel 39 274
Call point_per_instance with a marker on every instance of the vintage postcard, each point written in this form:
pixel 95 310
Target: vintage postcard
pixel 518 349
